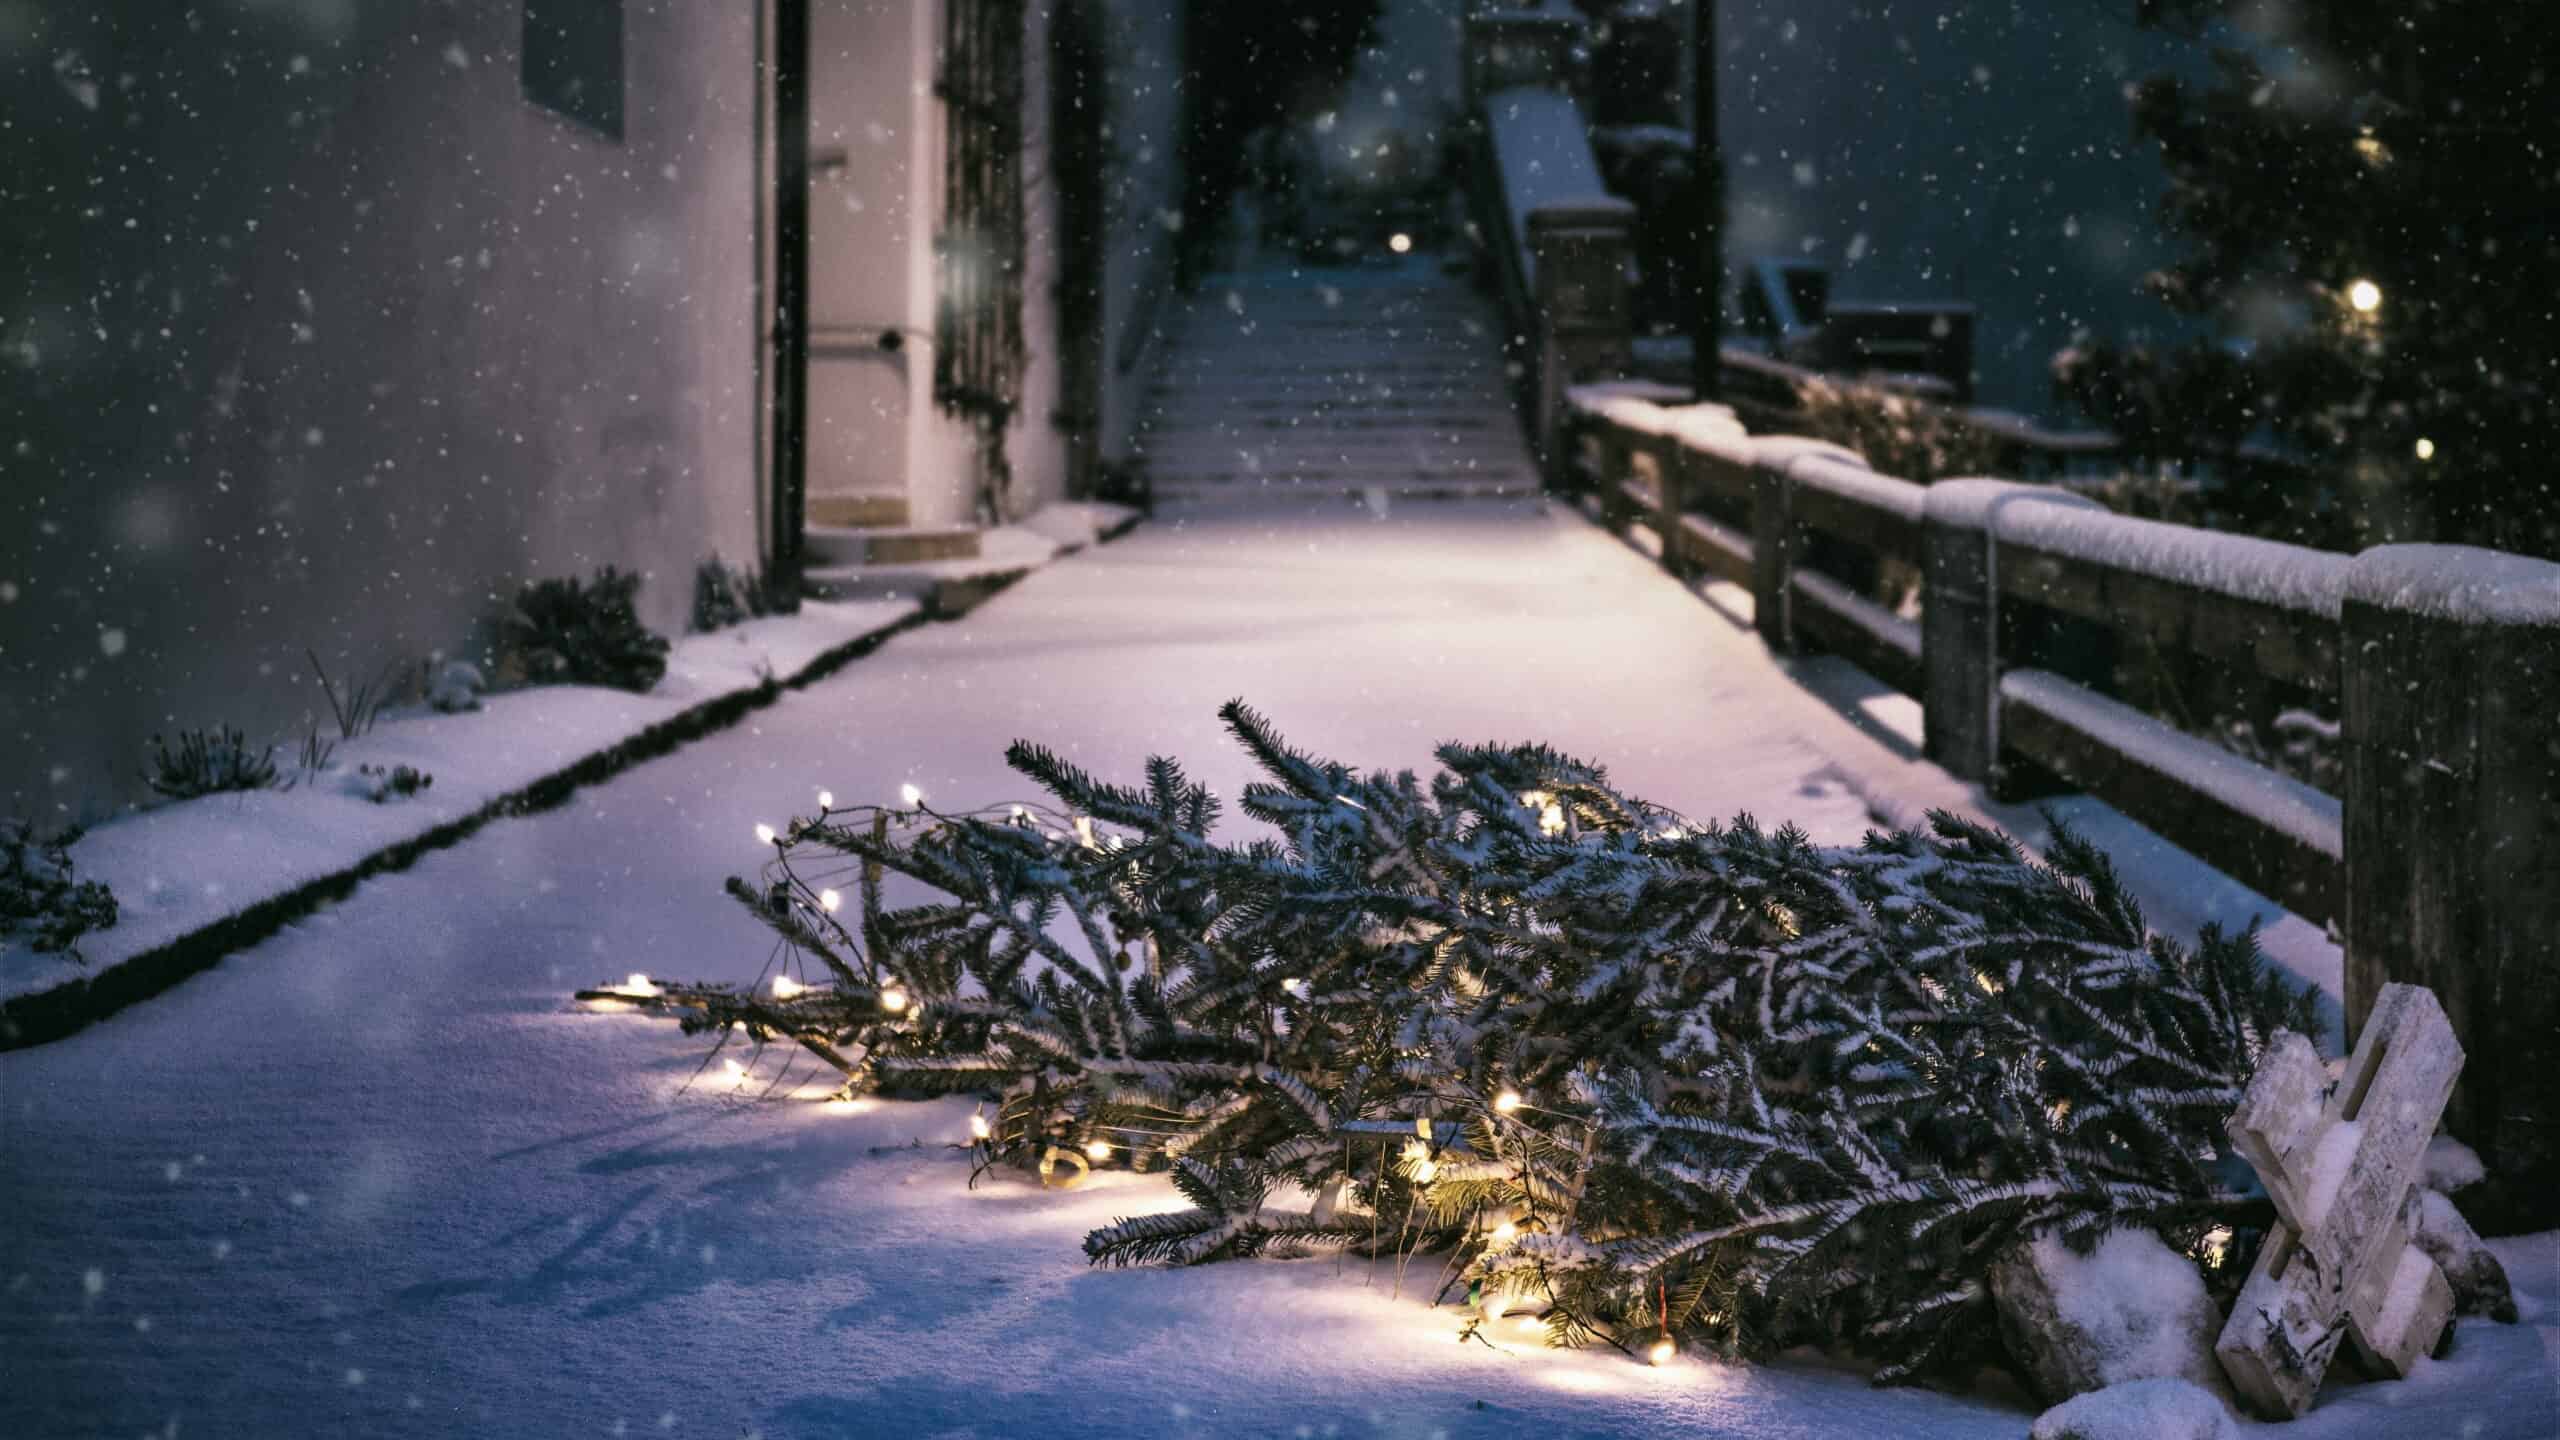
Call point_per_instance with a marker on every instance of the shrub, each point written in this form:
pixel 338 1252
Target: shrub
pixel 209 762
pixel 398 782
pixel 39 895
pixel 567 631
pixel 1898 435
pixel 724 595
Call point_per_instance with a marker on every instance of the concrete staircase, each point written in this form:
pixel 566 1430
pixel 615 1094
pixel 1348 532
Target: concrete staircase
pixel 1362 383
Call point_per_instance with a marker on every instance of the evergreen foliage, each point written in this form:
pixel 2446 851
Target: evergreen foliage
pixel 724 595
pixel 1896 434
pixel 209 762
pixel 2409 147
pixel 567 631
pixel 40 898
pixel 1643 1076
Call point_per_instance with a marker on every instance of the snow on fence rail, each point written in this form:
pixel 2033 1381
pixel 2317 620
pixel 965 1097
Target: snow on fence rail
pixel 2436 860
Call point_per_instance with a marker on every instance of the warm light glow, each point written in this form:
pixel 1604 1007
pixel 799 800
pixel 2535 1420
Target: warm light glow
pixel 764 834
pixel 2217 1244
pixel 830 901
pixel 1532 1322
pixel 910 796
pixel 1504 1233
pixel 2365 296
pixel 978 1125
pixel 2426 448
pixel 638 984
pixel 1084 832
pixel 1551 819
pixel 893 1000
pixel 1662 1350
pixel 1400 242
pixel 1507 1101
pixel 1097 1149
pixel 826 799
pixel 784 987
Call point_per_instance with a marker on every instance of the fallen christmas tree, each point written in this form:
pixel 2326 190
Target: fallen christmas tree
pixel 1652 1080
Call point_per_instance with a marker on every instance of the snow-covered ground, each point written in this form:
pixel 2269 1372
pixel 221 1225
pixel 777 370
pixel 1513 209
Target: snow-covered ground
pixel 378 1175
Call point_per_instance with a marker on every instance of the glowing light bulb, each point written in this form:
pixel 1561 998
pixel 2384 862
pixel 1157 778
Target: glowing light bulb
pixel 978 1125
pixel 2426 448
pixel 826 799
pixel 639 984
pixel 1661 1351
pixel 910 796
pixel 2217 1243
pixel 2365 296
pixel 785 988
pixel 1507 1102
pixel 1097 1149
pixel 830 901
pixel 1400 242
pixel 1504 1233
pixel 1551 819
pixel 893 1000
pixel 764 834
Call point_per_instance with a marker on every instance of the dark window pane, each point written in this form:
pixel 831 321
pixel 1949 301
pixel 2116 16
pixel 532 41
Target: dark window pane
pixel 573 59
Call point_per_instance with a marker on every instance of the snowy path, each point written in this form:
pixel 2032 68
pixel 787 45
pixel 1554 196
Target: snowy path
pixel 377 1176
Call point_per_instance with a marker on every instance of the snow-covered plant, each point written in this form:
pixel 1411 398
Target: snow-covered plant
pixel 567 631
pixel 209 762
pixel 724 595
pixel 1896 434
pixel 40 898
pixel 384 784
pixel 1645 1077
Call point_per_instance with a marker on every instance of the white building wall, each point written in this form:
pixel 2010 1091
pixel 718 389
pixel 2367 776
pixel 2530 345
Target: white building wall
pixel 316 333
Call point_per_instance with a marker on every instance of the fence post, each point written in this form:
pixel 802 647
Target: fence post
pixel 2451 684
pixel 1960 620
pixel 1580 251
pixel 1671 497
pixel 1773 552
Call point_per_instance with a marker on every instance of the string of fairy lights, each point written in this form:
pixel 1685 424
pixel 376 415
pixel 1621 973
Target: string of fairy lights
pixel 819 897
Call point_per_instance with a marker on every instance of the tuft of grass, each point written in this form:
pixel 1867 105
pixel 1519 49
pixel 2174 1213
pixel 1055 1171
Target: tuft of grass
pixel 209 762
pixel 361 708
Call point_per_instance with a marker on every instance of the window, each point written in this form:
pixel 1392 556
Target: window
pixel 977 364
pixel 573 60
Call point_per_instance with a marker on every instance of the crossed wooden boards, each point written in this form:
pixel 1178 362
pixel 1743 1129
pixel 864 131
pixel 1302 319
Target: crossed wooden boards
pixel 2339 1266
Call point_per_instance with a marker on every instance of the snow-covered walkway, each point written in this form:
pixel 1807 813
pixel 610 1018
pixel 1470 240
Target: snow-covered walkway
pixel 379 1176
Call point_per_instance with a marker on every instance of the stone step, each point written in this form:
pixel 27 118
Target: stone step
pixel 888 545
pixel 861 512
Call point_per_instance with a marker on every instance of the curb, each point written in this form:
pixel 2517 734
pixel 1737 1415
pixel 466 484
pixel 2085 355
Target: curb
pixel 68 1008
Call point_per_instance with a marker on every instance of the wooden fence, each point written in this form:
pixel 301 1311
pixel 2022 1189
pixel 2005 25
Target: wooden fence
pixel 2439 862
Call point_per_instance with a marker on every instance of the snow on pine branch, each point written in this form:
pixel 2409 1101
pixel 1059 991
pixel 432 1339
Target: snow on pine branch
pixel 1601 1053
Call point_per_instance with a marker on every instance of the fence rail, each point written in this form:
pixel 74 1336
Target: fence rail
pixel 2439 858
pixel 2445 663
